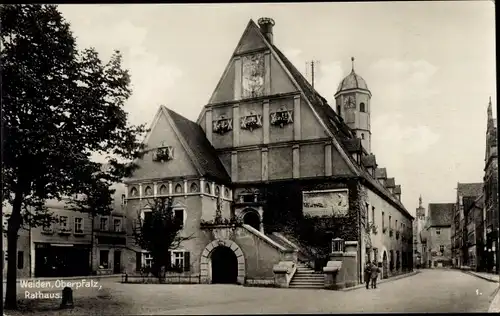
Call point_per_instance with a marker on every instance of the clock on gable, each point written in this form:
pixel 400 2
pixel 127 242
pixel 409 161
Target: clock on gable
pixel 253 76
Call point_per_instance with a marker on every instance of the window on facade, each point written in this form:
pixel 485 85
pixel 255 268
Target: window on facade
pixel 103 259
pixel 63 222
pixel 163 190
pixel 390 219
pixel 180 261
pixel 20 260
pixel 194 187
pixel 78 225
pixel 441 248
pixel 117 224
pixel 438 231
pixel 338 109
pixel 217 190
pixel 47 226
pixel 178 188
pixel 148 191
pixel 103 225
pixel 179 216
pixel 373 214
pixel 124 201
pixel 207 189
pixel 396 225
pixel 226 193
pixel 362 135
pixel 383 219
pixel 148 260
pixel 362 107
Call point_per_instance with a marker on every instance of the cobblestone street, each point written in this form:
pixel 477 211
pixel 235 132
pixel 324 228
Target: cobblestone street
pixel 428 291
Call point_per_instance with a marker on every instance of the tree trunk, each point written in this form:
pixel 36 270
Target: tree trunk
pixel 12 231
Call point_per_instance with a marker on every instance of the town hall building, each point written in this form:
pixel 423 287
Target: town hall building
pixel 265 152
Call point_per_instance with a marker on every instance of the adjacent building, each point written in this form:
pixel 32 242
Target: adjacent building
pixel 438 235
pixel 475 232
pixel 74 244
pixel 23 247
pixel 467 193
pixel 492 251
pixel 266 151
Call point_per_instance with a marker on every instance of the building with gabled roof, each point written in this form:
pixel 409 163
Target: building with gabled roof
pixel 271 150
pixel 438 234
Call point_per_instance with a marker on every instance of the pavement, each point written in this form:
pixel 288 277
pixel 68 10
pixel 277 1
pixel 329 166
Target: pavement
pixel 486 276
pixel 382 281
pixel 495 278
pixel 436 290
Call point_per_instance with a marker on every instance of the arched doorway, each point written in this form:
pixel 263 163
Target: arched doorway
pixel 224 265
pixel 384 265
pixel 252 218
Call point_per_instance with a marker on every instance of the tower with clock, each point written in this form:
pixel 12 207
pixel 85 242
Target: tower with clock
pixel 352 100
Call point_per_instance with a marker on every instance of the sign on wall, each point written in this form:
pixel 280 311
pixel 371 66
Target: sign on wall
pixel 325 202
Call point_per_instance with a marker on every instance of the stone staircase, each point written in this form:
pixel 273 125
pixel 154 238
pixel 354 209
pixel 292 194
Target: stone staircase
pixel 307 278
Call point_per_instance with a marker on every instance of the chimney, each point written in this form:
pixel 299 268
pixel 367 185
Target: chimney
pixel 266 27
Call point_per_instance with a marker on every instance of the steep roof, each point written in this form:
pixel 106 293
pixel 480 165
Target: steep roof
pixel 335 124
pixel 470 189
pixel 440 214
pixel 200 150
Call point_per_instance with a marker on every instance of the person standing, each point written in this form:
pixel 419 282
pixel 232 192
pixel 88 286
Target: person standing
pixel 375 270
pixel 368 271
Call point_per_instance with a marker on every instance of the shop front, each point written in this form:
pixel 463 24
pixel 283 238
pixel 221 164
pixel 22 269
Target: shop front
pixel 61 260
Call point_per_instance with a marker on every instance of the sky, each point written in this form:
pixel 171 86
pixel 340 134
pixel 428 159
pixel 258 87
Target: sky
pixel 430 67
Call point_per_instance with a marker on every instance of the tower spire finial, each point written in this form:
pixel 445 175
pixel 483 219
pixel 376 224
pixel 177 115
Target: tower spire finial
pixel 420 201
pixel 352 62
pixel 490 111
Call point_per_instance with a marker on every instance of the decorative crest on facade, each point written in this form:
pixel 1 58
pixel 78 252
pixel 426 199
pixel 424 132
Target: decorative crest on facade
pixel 282 117
pixel 163 153
pixel 251 121
pixel 222 125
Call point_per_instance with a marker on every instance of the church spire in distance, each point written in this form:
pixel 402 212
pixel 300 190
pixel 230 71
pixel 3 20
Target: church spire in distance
pixel 352 64
pixel 490 110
